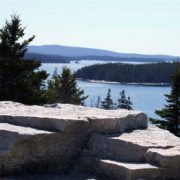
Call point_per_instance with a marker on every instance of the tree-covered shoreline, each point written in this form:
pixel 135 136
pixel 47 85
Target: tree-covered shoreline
pixel 124 83
pixel 143 74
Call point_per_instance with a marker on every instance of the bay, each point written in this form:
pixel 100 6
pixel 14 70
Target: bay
pixel 145 98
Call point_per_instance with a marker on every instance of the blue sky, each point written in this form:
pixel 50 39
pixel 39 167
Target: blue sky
pixel 136 26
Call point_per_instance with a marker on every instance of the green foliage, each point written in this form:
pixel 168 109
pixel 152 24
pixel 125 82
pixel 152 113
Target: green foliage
pixel 124 103
pixel 53 86
pixel 171 113
pixel 107 103
pixel 131 73
pixel 124 59
pixel 63 89
pixel 47 58
pixel 10 36
pixel 20 79
pixel 129 104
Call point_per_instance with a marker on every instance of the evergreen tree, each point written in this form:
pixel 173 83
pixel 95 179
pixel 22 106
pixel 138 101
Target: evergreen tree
pixel 64 89
pixel 53 86
pixel 171 113
pixel 108 102
pixel 124 103
pixel 20 79
pixel 129 104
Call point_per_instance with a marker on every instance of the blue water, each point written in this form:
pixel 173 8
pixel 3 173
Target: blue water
pixel 144 98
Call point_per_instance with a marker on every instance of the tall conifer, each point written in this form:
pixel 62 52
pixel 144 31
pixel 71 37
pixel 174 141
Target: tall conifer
pixel 64 89
pixel 107 103
pixel 170 114
pixel 20 79
pixel 123 102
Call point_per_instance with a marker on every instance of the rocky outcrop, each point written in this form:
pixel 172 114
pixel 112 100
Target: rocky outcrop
pixel 150 154
pixel 61 117
pixel 114 144
pixel 29 150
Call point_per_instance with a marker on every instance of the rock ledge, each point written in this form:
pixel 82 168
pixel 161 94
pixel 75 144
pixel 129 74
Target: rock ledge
pixel 69 139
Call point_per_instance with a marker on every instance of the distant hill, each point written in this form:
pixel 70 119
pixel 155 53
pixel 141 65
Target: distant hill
pixel 80 53
pixel 44 58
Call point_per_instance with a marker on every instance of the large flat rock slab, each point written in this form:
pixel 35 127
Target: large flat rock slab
pixel 153 144
pixel 20 130
pixel 28 150
pixel 10 134
pixel 165 157
pixel 60 117
pixel 50 138
pixel 151 137
pixel 63 138
pixel 152 153
pixel 128 171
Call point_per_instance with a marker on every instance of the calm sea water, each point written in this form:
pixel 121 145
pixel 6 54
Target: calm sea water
pixel 144 98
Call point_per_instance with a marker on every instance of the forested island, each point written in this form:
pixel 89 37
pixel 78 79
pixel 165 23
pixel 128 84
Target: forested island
pixel 50 58
pixel 129 73
pixel 121 59
pixel 47 58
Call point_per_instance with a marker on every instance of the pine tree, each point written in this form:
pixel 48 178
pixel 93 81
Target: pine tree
pixel 124 103
pixel 129 104
pixel 53 86
pixel 20 79
pixel 64 88
pixel 171 113
pixel 108 102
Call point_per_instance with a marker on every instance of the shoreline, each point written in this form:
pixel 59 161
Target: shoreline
pixel 133 83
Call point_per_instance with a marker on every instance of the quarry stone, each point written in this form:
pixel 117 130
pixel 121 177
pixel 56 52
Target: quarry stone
pixel 61 116
pixel 77 140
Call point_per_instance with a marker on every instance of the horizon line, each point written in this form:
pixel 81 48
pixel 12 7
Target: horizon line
pixel 114 51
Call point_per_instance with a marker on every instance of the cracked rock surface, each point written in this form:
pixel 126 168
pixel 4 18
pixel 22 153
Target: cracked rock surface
pixel 76 140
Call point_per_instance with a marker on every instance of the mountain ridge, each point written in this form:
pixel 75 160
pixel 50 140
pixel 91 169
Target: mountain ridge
pixel 70 51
